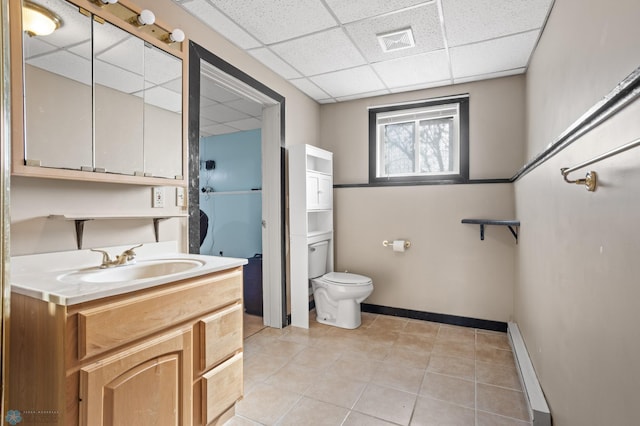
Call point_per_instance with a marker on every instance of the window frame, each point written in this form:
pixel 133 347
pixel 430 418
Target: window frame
pixel 441 178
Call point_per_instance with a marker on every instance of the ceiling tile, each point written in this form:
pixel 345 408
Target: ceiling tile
pixel 246 124
pixel 218 129
pixel 117 78
pixel 353 10
pixel 163 98
pixel 492 56
pixel 160 67
pixel 127 54
pixel 270 59
pixel 251 108
pixel 65 64
pixel 174 85
pixel 469 21
pixel 210 89
pixel 363 95
pixel 491 75
pixel 221 113
pixel 275 21
pixel 222 24
pixel 319 53
pixel 349 82
pixel 413 70
pixel 309 88
pixel 424 22
pixel 34 46
pixel 413 87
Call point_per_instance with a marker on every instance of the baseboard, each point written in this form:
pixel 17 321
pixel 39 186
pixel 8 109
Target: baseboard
pixel 538 408
pixel 433 317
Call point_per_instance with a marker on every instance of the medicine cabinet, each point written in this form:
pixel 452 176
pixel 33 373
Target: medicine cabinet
pixel 102 97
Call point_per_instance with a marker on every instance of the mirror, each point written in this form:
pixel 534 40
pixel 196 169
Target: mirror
pixel 101 99
pixel 58 92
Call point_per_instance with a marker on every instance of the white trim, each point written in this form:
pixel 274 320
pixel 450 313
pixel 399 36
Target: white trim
pixel 420 101
pixel 538 409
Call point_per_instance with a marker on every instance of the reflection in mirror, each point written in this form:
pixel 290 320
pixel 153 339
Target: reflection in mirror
pixel 162 114
pixel 118 61
pixel 58 104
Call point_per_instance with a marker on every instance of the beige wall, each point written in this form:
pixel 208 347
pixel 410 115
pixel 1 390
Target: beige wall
pixel 577 292
pixel 448 269
pixel 33 199
pixel 496 128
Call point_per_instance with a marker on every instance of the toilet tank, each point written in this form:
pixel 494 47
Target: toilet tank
pixel 318 258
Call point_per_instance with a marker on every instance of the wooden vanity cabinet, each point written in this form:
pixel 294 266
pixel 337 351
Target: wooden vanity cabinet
pixel 169 355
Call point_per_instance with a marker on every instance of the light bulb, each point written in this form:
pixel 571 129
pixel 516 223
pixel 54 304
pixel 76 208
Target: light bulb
pixel 176 36
pixel 146 17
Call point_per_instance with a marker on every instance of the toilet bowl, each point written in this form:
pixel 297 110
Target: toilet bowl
pixel 337 295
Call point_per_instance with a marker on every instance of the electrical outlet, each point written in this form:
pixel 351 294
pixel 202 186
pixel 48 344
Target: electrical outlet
pixel 180 199
pixel 158 197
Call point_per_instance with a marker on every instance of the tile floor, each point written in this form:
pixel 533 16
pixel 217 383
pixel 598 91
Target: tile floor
pixel 251 324
pixel 390 371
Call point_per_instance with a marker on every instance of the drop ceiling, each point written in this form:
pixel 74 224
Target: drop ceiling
pixel 329 49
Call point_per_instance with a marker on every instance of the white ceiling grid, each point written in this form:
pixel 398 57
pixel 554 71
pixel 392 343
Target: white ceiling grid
pixel 328 48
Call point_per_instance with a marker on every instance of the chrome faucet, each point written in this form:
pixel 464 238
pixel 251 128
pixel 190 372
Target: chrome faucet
pixel 127 257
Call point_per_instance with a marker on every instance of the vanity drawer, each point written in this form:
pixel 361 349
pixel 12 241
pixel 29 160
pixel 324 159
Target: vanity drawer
pixel 220 336
pixel 221 388
pixel 129 318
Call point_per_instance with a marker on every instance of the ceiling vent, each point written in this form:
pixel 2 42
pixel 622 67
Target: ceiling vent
pixel 397 40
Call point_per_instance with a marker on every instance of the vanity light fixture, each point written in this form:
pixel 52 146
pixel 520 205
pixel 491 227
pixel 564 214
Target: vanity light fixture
pixel 175 36
pixel 38 20
pixel 146 17
pixel 103 3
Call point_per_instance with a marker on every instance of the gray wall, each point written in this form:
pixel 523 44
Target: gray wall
pixel 577 292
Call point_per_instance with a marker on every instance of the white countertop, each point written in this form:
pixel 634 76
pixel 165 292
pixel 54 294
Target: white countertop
pixel 39 275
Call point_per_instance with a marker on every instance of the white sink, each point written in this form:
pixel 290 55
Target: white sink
pixel 137 271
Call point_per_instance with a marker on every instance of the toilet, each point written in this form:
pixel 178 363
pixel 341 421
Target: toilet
pixel 337 295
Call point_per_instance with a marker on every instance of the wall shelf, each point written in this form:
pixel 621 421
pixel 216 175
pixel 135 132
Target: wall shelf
pixel 513 225
pixel 81 219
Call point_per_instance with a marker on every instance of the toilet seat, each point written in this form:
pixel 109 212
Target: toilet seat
pixel 346 279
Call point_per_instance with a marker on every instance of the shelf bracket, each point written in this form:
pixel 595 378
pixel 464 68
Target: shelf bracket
pixel 80 231
pixel 513 225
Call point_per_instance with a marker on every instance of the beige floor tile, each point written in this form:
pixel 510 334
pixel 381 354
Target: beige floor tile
pixel 459 334
pixel 335 389
pixel 493 340
pixel 316 358
pixel 259 367
pixel 389 323
pixel 489 419
pixel 463 368
pixel 381 335
pixel 495 356
pixel 304 336
pixel 415 342
pixel 357 368
pixel 450 389
pixel 311 412
pixel 367 319
pixel 251 324
pixel 358 419
pixel 367 349
pixel 431 412
pixel 506 402
pixel 387 404
pixel 266 404
pixel 498 375
pixel 240 421
pixel 423 328
pixel 293 378
pixel 399 377
pixel 450 347
pixel 408 358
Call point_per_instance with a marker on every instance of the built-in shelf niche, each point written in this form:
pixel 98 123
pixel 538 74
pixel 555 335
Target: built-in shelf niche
pixel 319 221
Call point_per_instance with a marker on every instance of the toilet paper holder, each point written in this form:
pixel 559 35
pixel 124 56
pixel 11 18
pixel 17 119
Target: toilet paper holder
pixel 388 243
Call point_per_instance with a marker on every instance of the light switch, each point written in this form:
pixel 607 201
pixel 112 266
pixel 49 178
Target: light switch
pixel 158 197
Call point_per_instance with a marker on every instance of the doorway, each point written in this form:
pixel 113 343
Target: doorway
pixel 218 86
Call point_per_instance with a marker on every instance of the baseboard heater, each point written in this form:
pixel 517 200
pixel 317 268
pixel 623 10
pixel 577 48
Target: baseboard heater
pixel 538 408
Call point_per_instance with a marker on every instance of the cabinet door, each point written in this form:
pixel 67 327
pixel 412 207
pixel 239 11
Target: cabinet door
pixel 149 384
pixel 319 191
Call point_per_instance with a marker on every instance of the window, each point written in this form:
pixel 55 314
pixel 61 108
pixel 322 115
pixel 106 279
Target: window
pixel 420 142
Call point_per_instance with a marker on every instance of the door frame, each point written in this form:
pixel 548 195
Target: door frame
pixel 273 175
